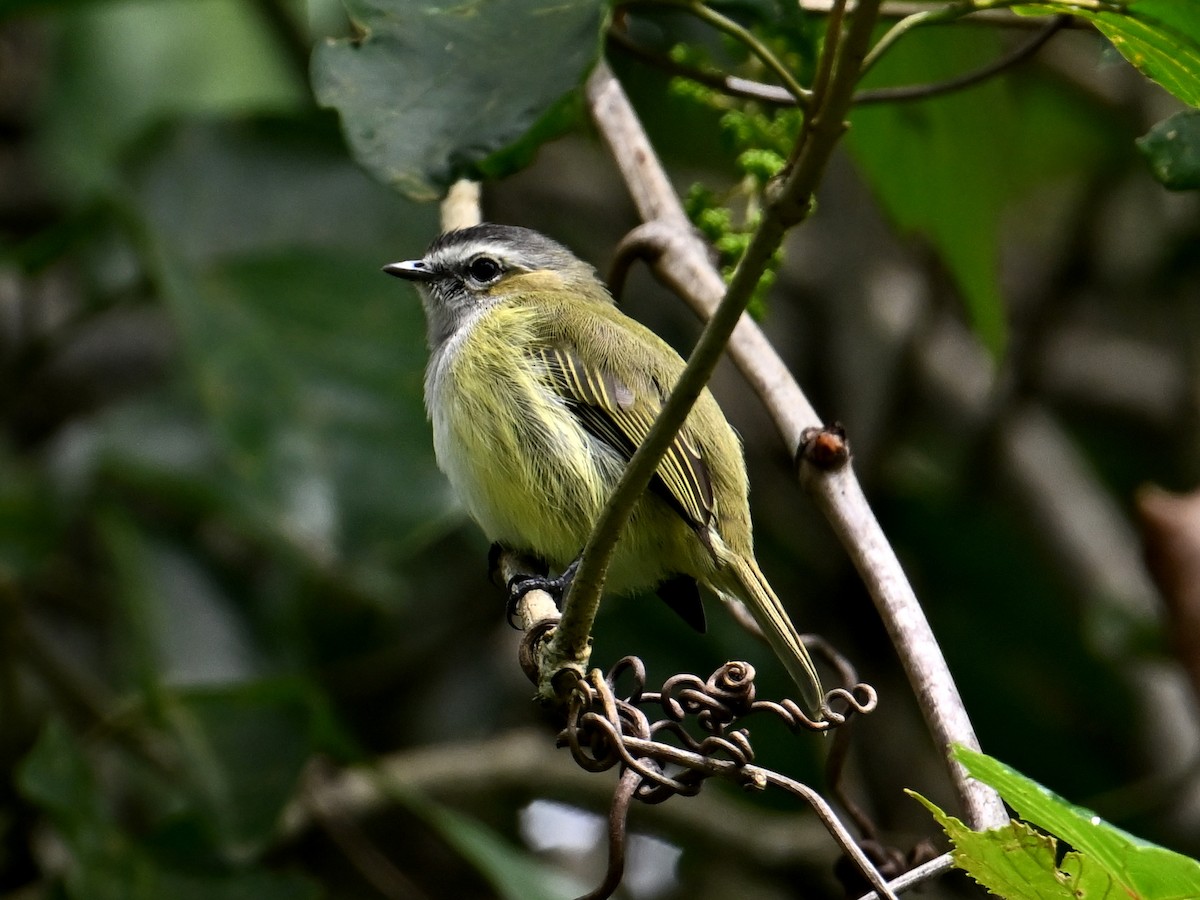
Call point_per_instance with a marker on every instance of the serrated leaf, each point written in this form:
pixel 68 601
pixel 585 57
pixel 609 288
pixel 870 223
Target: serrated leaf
pixel 1139 868
pixel 1016 861
pixel 442 90
pixel 1172 147
pixel 1161 38
pixel 1105 862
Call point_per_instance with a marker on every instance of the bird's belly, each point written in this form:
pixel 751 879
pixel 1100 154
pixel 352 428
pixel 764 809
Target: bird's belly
pixel 535 479
pixel 525 469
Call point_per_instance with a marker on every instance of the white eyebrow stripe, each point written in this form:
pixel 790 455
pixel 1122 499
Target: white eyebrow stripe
pixel 445 256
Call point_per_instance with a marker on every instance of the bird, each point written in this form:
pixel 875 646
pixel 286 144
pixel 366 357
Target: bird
pixel 540 389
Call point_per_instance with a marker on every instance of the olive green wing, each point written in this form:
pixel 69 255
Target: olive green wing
pixel 613 413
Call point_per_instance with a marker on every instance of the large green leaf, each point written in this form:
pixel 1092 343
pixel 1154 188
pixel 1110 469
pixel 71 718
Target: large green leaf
pixel 1140 868
pixel 948 168
pixel 1160 37
pixel 1017 862
pixel 434 91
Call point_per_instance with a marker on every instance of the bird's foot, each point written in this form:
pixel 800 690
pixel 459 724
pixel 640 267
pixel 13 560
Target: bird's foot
pixel 520 585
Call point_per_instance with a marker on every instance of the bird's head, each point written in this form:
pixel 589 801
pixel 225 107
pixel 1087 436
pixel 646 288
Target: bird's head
pixel 466 272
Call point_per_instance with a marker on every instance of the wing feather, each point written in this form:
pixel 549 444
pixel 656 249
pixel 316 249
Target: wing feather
pixel 612 412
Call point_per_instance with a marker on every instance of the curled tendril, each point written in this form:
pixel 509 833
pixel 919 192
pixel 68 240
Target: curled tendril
pixel 601 723
pixel 662 758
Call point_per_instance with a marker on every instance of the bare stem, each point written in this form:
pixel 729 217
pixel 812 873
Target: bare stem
pixel 1009 60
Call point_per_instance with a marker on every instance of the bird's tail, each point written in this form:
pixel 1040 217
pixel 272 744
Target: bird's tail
pixel 741 578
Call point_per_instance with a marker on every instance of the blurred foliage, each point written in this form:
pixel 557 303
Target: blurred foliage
pixel 1172 147
pixel 225 549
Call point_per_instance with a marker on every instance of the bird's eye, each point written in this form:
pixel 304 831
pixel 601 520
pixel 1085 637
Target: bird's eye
pixel 484 270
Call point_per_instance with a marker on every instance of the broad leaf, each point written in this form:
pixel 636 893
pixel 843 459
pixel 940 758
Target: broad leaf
pixel 1140 868
pixel 1172 147
pixel 1160 37
pixel 948 168
pixel 307 360
pixel 1016 861
pixel 435 91
pixel 242 750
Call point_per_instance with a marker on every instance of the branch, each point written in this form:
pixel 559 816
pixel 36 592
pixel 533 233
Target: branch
pixel 788 203
pixel 683 265
pixel 1013 58
pixel 730 85
pixel 753 44
pixel 899 9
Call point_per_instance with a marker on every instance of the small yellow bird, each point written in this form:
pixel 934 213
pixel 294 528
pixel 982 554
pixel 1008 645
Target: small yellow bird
pixel 540 390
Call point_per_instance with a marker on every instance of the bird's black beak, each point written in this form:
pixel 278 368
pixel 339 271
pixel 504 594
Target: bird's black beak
pixel 411 270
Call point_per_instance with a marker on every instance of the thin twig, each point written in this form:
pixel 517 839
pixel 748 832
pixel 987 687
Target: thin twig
pixel 730 85
pixel 933 16
pixel 618 817
pixel 774 95
pixel 745 37
pixel 1013 58
pixel 833 34
pixel 900 9
pixel 919 875
pixel 788 204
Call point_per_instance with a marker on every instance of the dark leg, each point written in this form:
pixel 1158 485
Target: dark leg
pixel 520 585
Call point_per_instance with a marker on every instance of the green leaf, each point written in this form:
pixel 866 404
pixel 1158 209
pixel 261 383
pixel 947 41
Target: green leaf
pixel 32 520
pixel 1140 868
pixel 948 168
pixel 57 777
pixel 1016 861
pixel 1172 148
pixel 242 750
pixel 1161 38
pixel 441 90
pixel 273 281
pixel 194 57
pixel 918 157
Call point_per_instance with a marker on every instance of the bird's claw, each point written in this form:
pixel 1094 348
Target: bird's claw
pixel 520 585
